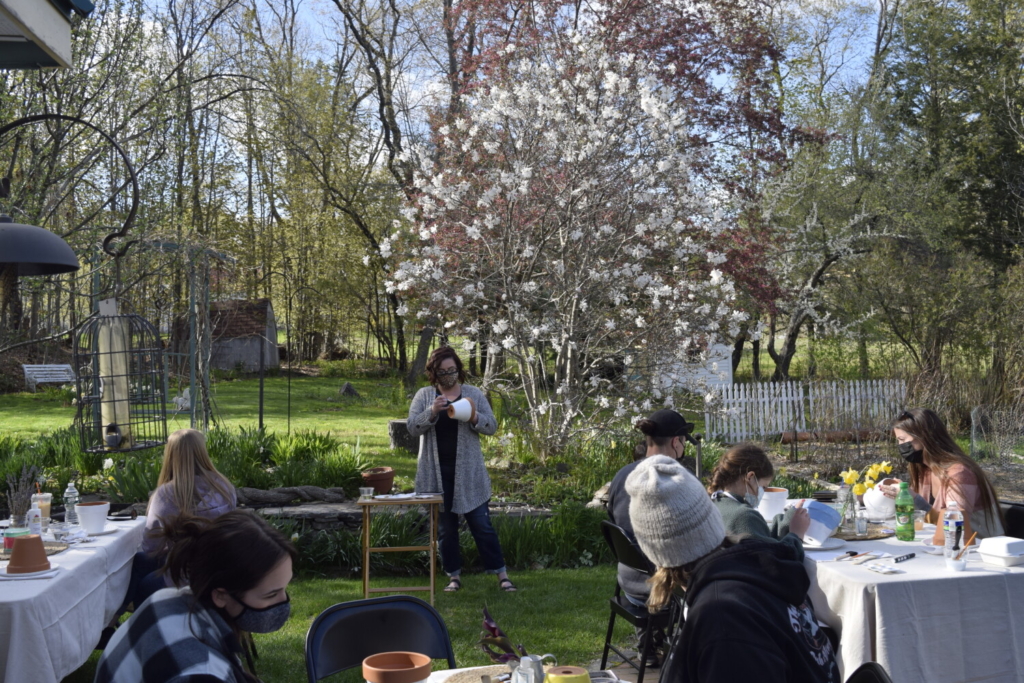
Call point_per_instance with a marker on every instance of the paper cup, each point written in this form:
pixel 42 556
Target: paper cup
pixel 824 520
pixel 773 502
pixel 461 410
pixel 93 516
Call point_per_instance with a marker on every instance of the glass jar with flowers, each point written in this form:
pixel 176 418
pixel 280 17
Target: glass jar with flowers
pixel 860 482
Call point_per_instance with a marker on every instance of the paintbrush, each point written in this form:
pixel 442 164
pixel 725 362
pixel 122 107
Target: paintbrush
pixel 967 546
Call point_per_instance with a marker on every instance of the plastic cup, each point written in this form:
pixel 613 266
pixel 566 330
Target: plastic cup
pixel 955 565
pixel 862 522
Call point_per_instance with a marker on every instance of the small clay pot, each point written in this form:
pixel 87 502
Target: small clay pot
pixel 396 667
pixel 28 555
pixel 380 478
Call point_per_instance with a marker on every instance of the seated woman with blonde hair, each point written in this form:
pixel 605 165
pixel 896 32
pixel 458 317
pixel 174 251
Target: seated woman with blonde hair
pixel 189 484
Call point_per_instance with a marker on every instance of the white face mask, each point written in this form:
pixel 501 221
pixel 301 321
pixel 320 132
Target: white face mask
pixel 752 500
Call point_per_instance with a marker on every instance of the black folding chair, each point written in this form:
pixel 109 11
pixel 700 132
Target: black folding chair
pixel 628 554
pixel 1014 514
pixel 869 672
pixel 343 635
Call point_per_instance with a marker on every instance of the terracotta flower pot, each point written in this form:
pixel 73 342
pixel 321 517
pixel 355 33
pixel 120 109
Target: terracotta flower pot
pixel 28 555
pixel 396 667
pixel 380 478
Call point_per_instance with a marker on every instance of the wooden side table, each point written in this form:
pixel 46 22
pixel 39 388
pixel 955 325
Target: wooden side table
pixel 432 503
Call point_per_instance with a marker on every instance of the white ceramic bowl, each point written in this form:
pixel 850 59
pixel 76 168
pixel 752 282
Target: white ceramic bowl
pixel 93 516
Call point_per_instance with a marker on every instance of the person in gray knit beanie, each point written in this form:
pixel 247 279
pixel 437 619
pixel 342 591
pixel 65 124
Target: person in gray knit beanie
pixel 673 517
pixel 748 614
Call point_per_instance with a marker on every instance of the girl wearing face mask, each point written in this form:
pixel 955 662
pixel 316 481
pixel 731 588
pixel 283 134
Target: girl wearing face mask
pixel 940 472
pixel 236 569
pixel 451 462
pixel 737 485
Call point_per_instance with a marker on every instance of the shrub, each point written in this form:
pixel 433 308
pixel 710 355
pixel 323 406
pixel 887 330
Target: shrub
pixel 242 457
pixel 134 478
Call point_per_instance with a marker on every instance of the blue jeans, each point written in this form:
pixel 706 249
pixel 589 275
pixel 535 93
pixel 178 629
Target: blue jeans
pixel 479 522
pixel 144 580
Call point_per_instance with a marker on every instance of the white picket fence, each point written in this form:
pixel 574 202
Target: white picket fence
pixel 748 411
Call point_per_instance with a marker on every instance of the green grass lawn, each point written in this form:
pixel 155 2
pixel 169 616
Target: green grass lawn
pixel 561 611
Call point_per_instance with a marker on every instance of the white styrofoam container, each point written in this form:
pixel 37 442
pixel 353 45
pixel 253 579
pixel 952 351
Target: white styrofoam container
pixel 1001 546
pixel 1002 560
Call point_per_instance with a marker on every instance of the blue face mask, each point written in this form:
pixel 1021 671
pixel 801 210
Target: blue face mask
pixel 266 620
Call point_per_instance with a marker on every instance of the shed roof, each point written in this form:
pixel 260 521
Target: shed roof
pixel 239 318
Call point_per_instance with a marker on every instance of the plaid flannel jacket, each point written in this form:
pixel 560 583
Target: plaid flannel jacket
pixel 163 642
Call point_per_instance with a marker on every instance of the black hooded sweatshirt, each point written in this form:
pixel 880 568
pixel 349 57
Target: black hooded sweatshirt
pixel 749 619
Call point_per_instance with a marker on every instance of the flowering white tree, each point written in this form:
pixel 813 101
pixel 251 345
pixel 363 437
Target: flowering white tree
pixel 559 221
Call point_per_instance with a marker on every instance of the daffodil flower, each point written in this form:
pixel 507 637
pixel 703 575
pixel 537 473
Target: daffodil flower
pixel 870 484
pixel 859 490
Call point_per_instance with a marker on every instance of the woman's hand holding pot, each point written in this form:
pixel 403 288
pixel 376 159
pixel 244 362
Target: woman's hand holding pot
pixel 801 520
pixel 440 403
pixel 890 488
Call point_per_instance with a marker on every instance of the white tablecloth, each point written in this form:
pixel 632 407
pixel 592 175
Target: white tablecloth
pixel 48 628
pixel 928 624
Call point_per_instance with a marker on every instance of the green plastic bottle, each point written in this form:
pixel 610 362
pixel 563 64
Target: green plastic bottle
pixel 904 514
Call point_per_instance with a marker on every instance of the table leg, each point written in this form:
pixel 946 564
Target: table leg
pixel 366 551
pixel 433 550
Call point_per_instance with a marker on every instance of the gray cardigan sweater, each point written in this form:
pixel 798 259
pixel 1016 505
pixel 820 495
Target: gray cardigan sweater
pixel 472 485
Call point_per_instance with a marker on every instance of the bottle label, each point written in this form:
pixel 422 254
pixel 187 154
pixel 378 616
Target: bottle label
pixel 952 524
pixel 903 518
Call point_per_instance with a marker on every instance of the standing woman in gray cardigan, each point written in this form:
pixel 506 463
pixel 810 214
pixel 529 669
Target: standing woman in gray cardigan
pixel 450 461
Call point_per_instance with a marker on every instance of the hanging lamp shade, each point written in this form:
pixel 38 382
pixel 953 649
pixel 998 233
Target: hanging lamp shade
pixel 36 251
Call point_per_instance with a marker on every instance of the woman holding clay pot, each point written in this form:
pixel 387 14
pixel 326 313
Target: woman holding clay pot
pixel 235 571
pixel 737 485
pixel 941 472
pixel 449 416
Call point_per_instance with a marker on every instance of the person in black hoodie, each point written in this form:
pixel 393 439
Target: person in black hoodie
pixel 749 617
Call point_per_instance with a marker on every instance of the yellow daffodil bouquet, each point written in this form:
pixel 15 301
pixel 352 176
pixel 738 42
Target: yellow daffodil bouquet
pixel 871 474
pixel 860 482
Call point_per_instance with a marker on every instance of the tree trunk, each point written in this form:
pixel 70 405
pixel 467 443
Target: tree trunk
pixel 737 349
pixel 10 299
pixel 419 365
pixel 812 360
pixel 756 359
pixel 784 358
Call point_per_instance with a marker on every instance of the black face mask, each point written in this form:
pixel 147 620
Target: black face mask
pixel 906 449
pixel 266 620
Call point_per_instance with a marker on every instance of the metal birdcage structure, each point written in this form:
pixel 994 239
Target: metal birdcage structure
pixel 119 360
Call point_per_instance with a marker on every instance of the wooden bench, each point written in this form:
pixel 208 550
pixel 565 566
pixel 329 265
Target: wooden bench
pixel 47 374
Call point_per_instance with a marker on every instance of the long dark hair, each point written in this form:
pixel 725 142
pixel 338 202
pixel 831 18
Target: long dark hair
pixel 441 354
pixel 736 462
pixel 234 552
pixel 941 451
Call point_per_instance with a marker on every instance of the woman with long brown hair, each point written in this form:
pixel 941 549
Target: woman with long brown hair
pixel 737 485
pixel 941 472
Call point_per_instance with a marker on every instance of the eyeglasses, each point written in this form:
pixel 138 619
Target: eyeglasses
pixel 445 373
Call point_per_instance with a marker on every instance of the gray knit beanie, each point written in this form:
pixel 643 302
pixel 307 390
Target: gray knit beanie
pixel 672 515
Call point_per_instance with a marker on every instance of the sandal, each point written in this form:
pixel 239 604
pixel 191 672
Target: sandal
pixel 454 584
pixel 507 586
